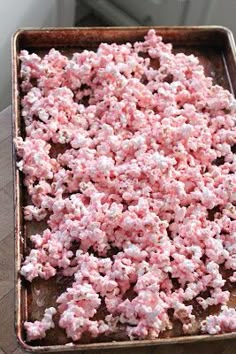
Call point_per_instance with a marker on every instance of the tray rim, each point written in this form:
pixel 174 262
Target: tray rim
pixel 69 347
pixel 196 28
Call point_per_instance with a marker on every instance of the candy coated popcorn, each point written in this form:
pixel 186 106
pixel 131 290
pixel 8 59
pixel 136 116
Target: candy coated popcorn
pixel 37 329
pixel 222 323
pixel 132 166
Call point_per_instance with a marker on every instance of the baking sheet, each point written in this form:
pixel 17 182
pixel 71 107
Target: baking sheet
pixel 214 46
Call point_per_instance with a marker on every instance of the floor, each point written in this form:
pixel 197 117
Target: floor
pixel 8 343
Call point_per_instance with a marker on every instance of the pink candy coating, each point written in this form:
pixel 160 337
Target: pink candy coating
pixel 145 187
pixel 37 329
pixel 224 322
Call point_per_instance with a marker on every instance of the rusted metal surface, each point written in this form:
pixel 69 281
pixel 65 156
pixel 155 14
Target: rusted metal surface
pixel 215 48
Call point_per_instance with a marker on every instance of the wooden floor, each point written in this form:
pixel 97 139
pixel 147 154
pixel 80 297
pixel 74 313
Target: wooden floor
pixel 8 342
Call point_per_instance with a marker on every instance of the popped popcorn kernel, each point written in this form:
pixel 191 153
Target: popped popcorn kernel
pixel 37 329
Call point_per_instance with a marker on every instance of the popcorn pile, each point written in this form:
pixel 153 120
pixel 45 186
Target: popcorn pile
pixel 143 196
pixel 38 328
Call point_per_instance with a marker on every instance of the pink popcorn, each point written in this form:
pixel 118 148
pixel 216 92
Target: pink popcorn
pixel 217 297
pixel 222 323
pixel 37 329
pixel 77 306
pixel 146 313
pixel 35 159
pixel 36 264
pixel 131 162
pixel 32 212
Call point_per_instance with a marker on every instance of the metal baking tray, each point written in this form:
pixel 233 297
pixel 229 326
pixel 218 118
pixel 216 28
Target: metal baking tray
pixel 215 48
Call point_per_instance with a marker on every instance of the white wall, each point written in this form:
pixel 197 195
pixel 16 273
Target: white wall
pixel 222 12
pixel 15 14
pixel 154 12
pixel 212 12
